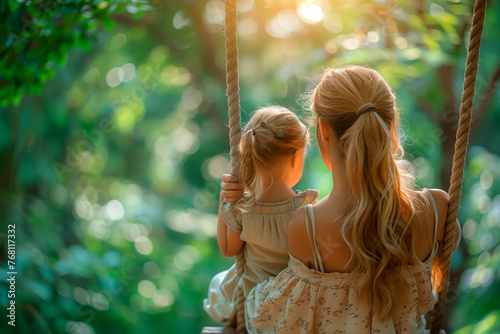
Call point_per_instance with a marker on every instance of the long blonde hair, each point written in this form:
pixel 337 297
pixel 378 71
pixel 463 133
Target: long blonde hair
pixel 272 136
pixel 360 107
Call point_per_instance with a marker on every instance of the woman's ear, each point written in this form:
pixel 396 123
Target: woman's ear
pixel 324 131
pixel 324 137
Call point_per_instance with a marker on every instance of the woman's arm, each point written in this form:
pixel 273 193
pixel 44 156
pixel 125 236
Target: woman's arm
pixel 229 240
pixel 441 197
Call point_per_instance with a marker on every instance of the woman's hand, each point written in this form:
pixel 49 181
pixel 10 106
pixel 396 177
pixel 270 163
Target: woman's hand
pixel 231 190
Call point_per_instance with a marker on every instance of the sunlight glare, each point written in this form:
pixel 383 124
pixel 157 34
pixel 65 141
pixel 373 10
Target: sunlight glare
pixel 311 13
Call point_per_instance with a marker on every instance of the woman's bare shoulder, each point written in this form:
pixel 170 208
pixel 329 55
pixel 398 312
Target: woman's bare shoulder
pixel 298 243
pixel 441 198
pixel 297 224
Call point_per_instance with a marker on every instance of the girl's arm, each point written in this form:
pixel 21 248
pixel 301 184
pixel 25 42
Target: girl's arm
pixel 229 240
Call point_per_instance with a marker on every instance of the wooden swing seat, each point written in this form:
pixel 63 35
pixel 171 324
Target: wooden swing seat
pixel 218 330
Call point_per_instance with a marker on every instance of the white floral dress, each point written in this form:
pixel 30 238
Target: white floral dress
pixel 304 300
pixel 264 231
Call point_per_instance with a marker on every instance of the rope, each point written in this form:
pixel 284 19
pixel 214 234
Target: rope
pixel 240 298
pixel 233 87
pixel 233 102
pixel 461 144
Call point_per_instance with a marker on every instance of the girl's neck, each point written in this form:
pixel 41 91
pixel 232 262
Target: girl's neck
pixel 272 192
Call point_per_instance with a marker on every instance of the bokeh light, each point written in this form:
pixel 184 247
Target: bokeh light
pixel 115 210
pixel 247 28
pixel 128 72
pixel 163 298
pixel 284 24
pixel 311 13
pixel 143 245
pixel 115 77
pixel 146 288
pixel 214 12
pixel 180 20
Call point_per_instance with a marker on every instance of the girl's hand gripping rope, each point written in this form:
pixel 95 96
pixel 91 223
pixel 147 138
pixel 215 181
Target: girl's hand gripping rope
pixel 228 239
pixel 231 190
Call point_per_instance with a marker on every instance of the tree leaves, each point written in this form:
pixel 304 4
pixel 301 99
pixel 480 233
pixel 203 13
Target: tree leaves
pixel 38 35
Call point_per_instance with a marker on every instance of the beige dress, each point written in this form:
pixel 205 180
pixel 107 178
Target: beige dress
pixel 304 300
pixel 264 231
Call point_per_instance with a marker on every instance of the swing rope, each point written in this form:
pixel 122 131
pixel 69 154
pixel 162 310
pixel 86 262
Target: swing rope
pixel 461 144
pixel 459 157
pixel 233 102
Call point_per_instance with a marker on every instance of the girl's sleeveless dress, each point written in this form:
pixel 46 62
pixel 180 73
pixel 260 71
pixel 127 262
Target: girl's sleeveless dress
pixel 304 300
pixel 264 231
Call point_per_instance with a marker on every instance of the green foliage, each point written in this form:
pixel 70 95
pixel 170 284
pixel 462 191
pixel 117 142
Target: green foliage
pixel 37 36
pixel 111 173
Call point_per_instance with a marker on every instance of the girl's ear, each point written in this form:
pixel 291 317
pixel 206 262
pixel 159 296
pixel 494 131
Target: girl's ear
pixel 296 159
pixel 324 131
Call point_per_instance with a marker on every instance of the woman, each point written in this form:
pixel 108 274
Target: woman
pixel 361 258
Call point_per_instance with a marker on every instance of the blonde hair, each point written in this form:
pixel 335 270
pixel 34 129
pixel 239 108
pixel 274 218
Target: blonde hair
pixel 272 136
pixel 360 107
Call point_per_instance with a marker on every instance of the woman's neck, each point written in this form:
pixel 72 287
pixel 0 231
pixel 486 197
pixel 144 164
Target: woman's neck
pixel 341 190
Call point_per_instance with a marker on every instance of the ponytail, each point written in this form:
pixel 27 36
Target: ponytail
pixel 248 167
pixel 376 198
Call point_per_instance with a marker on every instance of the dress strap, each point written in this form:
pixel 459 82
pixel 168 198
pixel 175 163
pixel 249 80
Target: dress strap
pixel 436 218
pixel 313 240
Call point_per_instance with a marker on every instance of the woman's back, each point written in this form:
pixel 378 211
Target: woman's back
pixel 333 248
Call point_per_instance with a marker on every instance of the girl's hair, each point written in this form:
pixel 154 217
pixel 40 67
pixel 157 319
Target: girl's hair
pixel 272 136
pixel 360 107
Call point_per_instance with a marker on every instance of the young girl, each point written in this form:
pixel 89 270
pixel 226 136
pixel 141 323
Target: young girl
pixel 272 149
pixel 361 258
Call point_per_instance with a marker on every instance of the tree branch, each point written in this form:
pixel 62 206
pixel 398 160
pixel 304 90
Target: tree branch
pixel 426 107
pixel 208 44
pixel 465 27
pixel 461 36
pixel 448 122
pixel 446 76
pixel 484 101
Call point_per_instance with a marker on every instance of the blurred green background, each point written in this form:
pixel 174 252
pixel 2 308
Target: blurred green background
pixel 113 139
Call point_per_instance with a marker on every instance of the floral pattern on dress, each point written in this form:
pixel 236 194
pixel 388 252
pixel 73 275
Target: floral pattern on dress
pixel 303 300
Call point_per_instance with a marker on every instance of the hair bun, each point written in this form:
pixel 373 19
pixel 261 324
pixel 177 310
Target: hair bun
pixel 367 107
